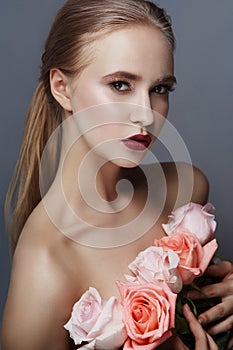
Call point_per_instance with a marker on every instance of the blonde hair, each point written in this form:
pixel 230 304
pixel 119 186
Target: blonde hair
pixel 77 24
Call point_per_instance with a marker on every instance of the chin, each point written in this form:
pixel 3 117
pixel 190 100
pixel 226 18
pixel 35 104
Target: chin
pixel 125 163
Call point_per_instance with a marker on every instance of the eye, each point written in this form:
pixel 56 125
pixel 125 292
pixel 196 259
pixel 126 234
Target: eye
pixel 163 89
pixel 120 85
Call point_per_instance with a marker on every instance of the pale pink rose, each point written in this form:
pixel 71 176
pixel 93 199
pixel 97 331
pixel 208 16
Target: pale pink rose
pixel 97 322
pixel 193 218
pixel 194 259
pixel 155 264
pixel 148 313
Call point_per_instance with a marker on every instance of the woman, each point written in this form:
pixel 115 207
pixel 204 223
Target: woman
pixel 106 74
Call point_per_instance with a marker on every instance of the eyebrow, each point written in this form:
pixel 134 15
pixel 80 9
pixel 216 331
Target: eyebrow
pixel 168 79
pixel 122 74
pixel 127 75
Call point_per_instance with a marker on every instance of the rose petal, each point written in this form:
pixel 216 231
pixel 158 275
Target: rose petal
pixel 148 313
pixel 106 326
pixel 209 250
pixel 84 315
pixel 193 218
pixel 109 327
pixel 155 264
pixel 132 345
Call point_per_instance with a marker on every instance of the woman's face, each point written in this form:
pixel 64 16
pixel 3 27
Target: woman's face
pixel 131 74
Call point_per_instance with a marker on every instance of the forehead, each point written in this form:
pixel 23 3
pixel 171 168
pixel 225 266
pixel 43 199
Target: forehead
pixel 137 47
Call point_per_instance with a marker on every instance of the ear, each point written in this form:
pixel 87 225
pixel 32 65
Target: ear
pixel 60 89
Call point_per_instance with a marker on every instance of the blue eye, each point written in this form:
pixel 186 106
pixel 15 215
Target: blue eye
pixel 162 89
pixel 120 85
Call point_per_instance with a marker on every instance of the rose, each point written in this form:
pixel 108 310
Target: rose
pixel 193 218
pixel 194 258
pixel 156 264
pixel 148 313
pixel 97 322
pixel 84 315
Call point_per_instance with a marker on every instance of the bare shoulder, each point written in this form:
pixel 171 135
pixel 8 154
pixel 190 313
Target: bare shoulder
pixel 185 183
pixel 201 187
pixel 40 296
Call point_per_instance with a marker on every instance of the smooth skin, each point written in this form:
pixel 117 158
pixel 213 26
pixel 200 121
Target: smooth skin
pixel 203 339
pixel 50 271
pixel 222 311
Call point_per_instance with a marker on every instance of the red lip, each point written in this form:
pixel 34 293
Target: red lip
pixel 138 142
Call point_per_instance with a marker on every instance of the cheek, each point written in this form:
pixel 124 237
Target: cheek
pixel 105 121
pixel 102 133
pixel 160 104
pixel 104 140
pixel 87 96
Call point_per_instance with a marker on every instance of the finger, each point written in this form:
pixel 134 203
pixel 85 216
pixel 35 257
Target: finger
pixel 212 344
pixel 230 344
pixel 194 295
pixel 217 312
pixel 177 343
pixel 220 270
pixel 221 289
pixel 195 327
pixel 203 340
pixel 222 327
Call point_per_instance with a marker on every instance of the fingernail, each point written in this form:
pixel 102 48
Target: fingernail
pixel 201 320
pixel 186 306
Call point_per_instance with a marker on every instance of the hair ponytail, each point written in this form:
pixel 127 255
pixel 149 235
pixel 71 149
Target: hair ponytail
pixel 24 194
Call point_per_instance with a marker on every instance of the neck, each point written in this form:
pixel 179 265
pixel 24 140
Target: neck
pixel 85 174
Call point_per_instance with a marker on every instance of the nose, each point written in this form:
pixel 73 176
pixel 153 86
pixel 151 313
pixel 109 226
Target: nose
pixel 141 111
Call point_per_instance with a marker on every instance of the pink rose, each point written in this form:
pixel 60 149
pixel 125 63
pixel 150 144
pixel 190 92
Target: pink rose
pixel 193 218
pixel 194 259
pixel 97 322
pixel 156 264
pixel 148 313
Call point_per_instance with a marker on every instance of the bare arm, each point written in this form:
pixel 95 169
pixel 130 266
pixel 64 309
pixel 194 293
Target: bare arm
pixel 36 306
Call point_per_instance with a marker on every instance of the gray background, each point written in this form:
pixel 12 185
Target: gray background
pixel 201 108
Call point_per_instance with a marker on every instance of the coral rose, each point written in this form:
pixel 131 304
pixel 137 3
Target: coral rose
pixel 193 218
pixel 148 313
pixel 194 259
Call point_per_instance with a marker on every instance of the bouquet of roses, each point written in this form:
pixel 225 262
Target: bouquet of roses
pixel 152 299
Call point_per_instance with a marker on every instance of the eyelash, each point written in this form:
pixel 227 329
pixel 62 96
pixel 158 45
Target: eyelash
pixel 117 82
pixel 168 88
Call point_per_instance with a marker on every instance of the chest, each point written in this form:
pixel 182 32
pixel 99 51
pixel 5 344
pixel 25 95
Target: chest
pixel 102 267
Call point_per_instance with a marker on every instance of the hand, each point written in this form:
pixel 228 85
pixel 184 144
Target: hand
pixel 203 340
pixel 224 310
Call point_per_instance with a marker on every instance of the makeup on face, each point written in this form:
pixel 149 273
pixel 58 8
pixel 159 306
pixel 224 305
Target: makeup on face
pixel 138 142
pixel 126 84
